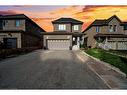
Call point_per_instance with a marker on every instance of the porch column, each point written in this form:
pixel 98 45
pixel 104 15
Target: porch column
pixel 78 42
pixel 106 40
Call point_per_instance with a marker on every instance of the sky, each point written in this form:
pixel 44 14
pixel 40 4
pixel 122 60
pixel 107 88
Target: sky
pixel 43 14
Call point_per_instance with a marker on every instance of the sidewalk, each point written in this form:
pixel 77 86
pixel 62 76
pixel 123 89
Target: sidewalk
pixel 109 74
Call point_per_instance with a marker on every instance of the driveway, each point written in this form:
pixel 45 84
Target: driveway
pixel 48 70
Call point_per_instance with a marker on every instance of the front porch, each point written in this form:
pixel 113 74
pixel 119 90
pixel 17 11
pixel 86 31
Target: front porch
pixel 77 41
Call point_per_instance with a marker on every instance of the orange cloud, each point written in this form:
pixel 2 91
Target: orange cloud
pixel 87 14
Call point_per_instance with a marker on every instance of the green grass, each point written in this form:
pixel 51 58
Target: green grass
pixel 108 58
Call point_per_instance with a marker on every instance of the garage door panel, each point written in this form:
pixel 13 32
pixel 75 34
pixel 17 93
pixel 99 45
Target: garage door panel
pixel 122 45
pixel 58 44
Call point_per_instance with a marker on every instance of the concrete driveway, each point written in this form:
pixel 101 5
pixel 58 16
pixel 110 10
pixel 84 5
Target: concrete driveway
pixel 48 70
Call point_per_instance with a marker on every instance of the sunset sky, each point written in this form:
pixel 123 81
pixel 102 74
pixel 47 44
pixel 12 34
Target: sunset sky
pixel 43 15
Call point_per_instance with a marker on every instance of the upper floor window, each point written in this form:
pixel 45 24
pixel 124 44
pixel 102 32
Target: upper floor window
pixel 97 29
pixel 112 28
pixel 76 27
pixel 17 23
pixel 62 27
pixel 125 27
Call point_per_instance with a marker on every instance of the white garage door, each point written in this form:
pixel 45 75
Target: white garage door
pixel 118 45
pixel 122 45
pixel 58 44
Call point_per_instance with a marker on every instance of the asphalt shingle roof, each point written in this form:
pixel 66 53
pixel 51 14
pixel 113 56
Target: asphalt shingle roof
pixel 19 16
pixel 67 20
pixel 103 22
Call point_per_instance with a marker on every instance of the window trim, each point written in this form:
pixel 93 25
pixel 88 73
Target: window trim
pixel 62 27
pixel 97 29
pixel 110 28
pixel 76 27
pixel 114 28
pixel 125 27
pixel 17 23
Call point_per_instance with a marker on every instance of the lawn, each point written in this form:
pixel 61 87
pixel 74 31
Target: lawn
pixel 114 60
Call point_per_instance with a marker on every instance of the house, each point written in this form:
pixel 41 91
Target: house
pixel 108 33
pixel 66 35
pixel 19 31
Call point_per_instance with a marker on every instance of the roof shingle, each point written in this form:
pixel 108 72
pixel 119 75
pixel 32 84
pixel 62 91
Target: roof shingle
pixel 103 22
pixel 67 20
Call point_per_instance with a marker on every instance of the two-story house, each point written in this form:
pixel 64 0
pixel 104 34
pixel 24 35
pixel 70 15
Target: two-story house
pixel 108 33
pixel 19 31
pixel 66 35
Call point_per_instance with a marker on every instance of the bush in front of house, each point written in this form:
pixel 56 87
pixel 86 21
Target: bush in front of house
pixel 109 58
pixel 4 53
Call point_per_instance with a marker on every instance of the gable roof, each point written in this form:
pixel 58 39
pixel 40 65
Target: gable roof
pixel 20 16
pixel 99 22
pixel 67 20
pixel 102 22
pixel 114 16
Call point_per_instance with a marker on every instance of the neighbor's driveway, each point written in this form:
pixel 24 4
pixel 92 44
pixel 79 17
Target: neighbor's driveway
pixel 48 70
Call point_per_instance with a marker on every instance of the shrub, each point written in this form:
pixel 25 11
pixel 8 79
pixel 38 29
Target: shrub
pixel 7 52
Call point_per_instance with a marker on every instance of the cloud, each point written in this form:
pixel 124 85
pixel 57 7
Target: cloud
pixel 87 14
pixel 7 12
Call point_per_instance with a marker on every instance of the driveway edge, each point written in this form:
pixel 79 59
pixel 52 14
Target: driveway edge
pixel 106 64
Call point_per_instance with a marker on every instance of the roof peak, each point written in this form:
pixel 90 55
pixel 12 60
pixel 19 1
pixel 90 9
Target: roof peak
pixel 114 16
pixel 67 20
pixel 101 22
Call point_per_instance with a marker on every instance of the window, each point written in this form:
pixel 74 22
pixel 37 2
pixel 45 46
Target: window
pixel 110 28
pixel 97 29
pixel 17 23
pixel 76 27
pixel 125 27
pixel 114 28
pixel 62 27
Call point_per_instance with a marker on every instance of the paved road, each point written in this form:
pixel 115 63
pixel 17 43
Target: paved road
pixel 48 70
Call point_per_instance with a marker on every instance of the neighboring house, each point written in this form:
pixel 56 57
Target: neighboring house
pixel 66 35
pixel 19 31
pixel 109 33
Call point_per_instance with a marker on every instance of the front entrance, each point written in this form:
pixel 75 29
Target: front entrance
pixel 10 42
pixel 58 44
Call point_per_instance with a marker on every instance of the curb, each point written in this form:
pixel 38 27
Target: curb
pixel 106 64
pixel 100 77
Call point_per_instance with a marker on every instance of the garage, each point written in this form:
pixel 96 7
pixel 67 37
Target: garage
pixel 58 44
pixel 118 45
pixel 122 45
pixel 10 42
